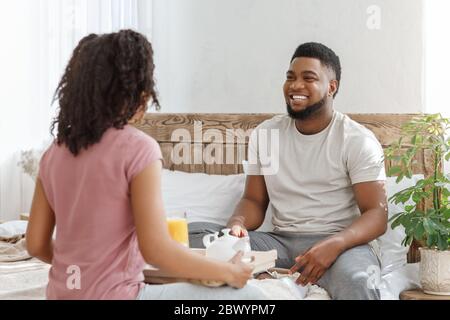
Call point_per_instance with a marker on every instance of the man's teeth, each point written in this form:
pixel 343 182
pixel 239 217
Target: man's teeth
pixel 299 97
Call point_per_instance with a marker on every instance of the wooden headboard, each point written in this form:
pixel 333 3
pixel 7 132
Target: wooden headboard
pixel 177 133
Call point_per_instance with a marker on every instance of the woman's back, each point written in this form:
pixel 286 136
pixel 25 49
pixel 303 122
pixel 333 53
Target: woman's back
pixel 99 184
pixel 95 233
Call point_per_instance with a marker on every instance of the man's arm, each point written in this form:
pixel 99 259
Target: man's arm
pixel 251 209
pixel 371 199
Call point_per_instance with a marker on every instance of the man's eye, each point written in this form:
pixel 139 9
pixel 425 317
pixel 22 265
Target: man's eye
pixel 309 79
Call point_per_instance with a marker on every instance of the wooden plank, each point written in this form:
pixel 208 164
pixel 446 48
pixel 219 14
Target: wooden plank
pixel 166 150
pixel 162 126
pixel 386 127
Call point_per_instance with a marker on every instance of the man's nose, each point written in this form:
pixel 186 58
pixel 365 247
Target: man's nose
pixel 298 84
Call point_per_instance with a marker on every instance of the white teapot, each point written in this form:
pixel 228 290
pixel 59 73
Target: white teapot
pixel 224 248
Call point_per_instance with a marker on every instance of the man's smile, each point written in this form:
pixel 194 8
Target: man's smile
pixel 297 99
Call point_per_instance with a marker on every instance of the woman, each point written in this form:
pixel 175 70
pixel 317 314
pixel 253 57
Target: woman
pixel 99 185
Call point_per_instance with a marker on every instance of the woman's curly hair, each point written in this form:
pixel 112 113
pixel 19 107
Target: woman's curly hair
pixel 107 80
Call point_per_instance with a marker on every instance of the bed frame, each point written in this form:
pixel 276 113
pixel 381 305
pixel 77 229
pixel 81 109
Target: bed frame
pixel 172 129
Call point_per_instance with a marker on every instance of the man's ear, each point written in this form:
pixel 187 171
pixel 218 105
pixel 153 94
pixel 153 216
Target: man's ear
pixel 333 87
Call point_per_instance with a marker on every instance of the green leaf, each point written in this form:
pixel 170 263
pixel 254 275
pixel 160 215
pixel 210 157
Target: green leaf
pixel 419 139
pixel 399 178
pixel 428 228
pixel 431 241
pixel 442 242
pixel 409 208
pixel 409 173
pixel 417 197
pixel 395 216
pixel 447 213
pixel 445 192
pixel 405 161
pixel 447 157
pixel 396 222
pixel 436 225
pixel 420 230
pixel 407 241
pixel 394 170
pixel 420 183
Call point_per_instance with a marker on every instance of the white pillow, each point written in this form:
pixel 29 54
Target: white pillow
pixel 393 253
pixel 12 229
pixel 204 197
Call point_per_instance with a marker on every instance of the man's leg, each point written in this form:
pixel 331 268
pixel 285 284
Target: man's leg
pixel 197 230
pixel 266 241
pixel 350 277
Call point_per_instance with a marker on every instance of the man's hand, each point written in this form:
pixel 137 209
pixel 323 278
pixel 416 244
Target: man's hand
pixel 316 260
pixel 239 231
pixel 251 209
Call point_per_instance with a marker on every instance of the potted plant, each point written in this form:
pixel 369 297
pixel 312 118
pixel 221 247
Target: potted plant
pixel 429 225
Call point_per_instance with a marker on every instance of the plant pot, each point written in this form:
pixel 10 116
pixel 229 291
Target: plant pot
pixel 435 271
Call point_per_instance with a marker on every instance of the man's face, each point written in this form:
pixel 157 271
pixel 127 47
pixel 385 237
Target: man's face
pixel 308 84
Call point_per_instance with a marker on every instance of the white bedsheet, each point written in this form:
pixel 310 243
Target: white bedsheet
pixel 27 280
pixel 23 280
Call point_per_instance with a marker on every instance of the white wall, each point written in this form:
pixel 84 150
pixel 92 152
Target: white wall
pixel 231 56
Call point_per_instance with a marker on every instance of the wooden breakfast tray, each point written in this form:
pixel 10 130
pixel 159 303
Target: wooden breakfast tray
pixel 261 261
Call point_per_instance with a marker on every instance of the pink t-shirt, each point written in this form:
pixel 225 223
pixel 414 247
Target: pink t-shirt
pixel 95 232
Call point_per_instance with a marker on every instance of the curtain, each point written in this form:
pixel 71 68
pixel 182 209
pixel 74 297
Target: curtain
pixel 437 63
pixel 38 37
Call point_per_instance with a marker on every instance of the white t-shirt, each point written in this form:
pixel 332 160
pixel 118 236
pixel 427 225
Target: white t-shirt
pixel 310 183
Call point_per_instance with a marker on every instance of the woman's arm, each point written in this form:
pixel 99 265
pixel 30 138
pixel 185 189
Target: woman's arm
pixel 159 249
pixel 40 226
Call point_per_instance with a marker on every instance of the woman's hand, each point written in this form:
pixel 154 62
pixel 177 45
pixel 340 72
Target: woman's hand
pixel 239 273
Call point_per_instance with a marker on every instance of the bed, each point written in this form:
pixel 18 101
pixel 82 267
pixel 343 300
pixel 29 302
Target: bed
pixel 224 137
pixel 234 130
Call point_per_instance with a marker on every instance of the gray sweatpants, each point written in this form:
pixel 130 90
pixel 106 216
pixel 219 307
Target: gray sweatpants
pixel 348 278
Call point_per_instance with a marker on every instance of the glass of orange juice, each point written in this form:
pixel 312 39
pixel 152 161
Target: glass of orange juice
pixel 178 228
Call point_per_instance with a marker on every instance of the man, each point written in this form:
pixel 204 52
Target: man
pixel 327 196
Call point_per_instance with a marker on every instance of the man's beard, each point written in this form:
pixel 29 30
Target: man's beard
pixel 308 112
